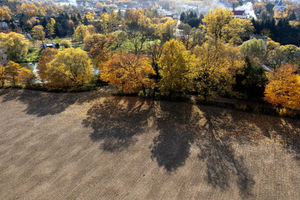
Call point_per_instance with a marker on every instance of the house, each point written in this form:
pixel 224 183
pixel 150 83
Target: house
pixel 240 14
pixel 49 45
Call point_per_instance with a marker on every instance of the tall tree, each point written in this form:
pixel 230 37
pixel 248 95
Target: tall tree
pixel 11 72
pixel 98 47
pixel 177 68
pixel 81 32
pixel 38 33
pixel 216 67
pixel 46 57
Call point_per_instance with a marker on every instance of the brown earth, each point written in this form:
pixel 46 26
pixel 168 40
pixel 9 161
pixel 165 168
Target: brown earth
pixel 96 146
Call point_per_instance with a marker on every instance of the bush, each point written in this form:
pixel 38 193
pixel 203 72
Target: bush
pixel 65 44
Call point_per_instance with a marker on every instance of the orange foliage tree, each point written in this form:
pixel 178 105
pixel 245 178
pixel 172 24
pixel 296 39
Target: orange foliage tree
pixel 25 77
pixel 129 72
pixel 284 87
pixel 47 56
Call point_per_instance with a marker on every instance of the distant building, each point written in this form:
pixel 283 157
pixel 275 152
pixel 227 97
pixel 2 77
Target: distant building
pixel 240 14
pixel 50 45
pixel 280 6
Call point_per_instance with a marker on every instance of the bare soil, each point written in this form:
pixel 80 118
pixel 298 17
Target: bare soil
pixel 97 146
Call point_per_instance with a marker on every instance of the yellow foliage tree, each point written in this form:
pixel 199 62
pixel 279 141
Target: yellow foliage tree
pixel 38 32
pixel 98 47
pixel 25 77
pixel 4 13
pixel 236 30
pixel 221 25
pixel 90 15
pixel 177 68
pixel 284 87
pixel 2 75
pixel 11 72
pixel 129 72
pixel 216 67
pixel 15 45
pixel 81 32
pixel 70 67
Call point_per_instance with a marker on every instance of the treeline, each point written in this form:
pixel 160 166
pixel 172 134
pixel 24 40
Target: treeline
pixel 145 56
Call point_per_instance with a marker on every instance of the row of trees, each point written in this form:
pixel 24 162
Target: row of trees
pixel 214 61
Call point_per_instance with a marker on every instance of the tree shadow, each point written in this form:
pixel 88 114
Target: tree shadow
pixel 285 131
pixel 117 120
pixel 43 103
pixel 175 122
pixel 223 167
pixel 224 127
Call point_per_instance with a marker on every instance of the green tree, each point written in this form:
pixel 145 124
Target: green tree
pixel 255 49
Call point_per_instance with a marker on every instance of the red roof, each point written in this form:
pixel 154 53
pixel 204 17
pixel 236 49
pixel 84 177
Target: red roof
pixel 239 12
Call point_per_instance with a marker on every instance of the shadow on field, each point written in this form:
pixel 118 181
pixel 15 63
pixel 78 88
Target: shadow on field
pixel 223 167
pixel 117 120
pixel 43 103
pixel 175 123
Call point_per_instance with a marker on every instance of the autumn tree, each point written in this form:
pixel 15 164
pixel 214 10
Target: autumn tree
pixel 38 33
pixel 2 75
pixel 5 13
pixel 129 72
pixel 51 27
pixel 98 47
pixel 70 67
pixel 216 68
pixel 25 76
pixel 284 54
pixel 139 27
pixel 155 52
pixel 177 68
pixel 237 30
pixel 11 72
pixel 165 28
pixel 283 87
pixel 81 32
pixel 220 25
pixel 15 44
pixel 46 57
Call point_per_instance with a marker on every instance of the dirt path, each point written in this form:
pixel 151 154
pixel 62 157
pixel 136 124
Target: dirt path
pixel 94 146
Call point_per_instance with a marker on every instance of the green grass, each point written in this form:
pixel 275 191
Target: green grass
pixel 128 45
pixel 33 55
